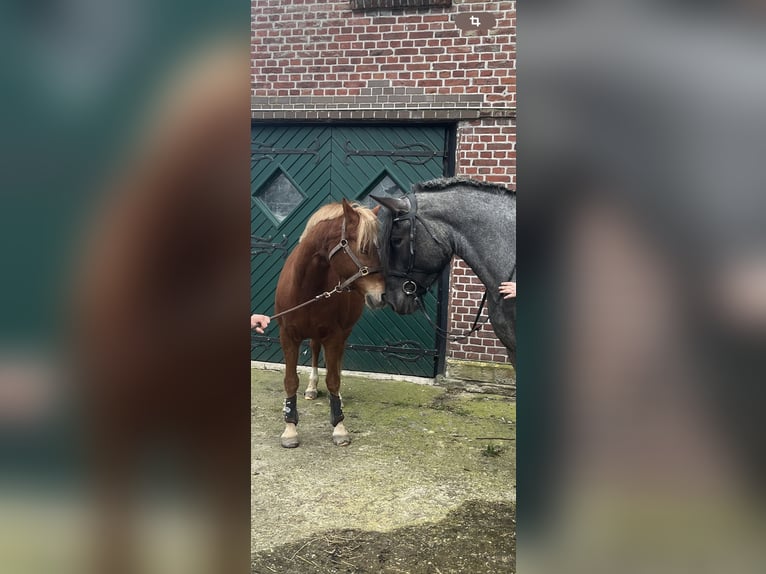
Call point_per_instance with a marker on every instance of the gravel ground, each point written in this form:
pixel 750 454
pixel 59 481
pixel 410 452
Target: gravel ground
pixel 427 484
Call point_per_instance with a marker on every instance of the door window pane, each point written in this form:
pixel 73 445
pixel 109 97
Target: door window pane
pixel 280 196
pixel 386 187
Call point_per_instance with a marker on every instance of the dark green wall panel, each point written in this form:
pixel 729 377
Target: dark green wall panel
pixel 328 163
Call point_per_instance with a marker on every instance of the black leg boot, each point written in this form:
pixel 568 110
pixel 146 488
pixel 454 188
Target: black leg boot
pixel 339 436
pixel 290 411
pixel 336 412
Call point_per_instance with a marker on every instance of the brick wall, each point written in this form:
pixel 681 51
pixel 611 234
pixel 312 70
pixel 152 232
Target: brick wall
pixel 487 151
pixel 319 55
pixel 318 59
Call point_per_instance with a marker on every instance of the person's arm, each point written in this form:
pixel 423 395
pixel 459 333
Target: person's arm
pixel 259 322
pixel 508 288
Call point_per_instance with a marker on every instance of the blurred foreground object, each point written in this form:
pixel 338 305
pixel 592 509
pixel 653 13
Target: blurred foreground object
pixel 643 236
pixel 164 283
pixel 123 233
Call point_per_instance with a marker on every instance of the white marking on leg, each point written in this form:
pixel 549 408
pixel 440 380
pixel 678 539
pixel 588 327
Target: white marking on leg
pixel 340 435
pixel 289 438
pixel 311 390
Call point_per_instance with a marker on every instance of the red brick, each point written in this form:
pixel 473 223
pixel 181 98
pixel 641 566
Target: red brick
pixel 321 48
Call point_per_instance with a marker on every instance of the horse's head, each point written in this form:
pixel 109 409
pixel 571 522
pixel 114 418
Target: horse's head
pixel 353 253
pixel 411 254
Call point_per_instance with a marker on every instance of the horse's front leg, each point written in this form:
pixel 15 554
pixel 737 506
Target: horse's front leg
pixel 311 390
pixel 333 354
pixel 289 438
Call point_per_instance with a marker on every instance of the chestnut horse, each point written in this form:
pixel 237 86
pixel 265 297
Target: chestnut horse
pixel 335 267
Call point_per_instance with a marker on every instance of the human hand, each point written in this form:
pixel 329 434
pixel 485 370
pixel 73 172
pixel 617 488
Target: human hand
pixel 508 288
pixel 259 322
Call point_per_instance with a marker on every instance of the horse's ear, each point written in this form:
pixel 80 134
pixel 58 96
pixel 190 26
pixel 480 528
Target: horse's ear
pixel 375 209
pixel 349 212
pixel 395 204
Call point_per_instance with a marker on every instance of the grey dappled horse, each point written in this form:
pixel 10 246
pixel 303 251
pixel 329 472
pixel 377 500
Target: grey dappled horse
pixel 420 232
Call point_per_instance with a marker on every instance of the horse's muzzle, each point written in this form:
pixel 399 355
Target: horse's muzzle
pixel 401 304
pixel 375 300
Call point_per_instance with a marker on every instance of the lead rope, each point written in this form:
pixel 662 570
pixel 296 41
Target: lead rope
pixel 340 287
pixel 445 332
pixel 325 295
pixel 476 325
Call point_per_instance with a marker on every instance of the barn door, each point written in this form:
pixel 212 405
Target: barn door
pixel 294 170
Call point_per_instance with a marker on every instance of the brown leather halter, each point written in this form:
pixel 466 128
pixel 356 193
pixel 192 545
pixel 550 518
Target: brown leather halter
pixel 362 271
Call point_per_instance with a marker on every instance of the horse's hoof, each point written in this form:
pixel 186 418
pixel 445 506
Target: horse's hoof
pixel 341 440
pixel 310 395
pixel 289 442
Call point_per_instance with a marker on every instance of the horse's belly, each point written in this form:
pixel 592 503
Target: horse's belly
pixel 325 319
pixel 330 327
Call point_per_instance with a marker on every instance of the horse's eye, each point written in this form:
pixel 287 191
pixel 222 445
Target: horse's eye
pixel 363 252
pixel 396 241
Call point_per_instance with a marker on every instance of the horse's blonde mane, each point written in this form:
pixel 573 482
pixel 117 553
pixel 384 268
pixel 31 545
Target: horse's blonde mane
pixel 367 234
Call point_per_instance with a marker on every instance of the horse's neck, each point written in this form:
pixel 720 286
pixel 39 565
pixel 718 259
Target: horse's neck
pixel 479 231
pixel 313 275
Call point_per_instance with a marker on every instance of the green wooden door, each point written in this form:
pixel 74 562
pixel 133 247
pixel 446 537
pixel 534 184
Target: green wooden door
pixel 297 168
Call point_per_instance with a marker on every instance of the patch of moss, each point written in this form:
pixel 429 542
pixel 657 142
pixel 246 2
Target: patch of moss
pixel 492 450
pixel 416 453
pixel 488 406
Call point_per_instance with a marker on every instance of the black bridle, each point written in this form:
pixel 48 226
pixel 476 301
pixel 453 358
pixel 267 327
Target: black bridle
pixel 362 271
pixel 412 288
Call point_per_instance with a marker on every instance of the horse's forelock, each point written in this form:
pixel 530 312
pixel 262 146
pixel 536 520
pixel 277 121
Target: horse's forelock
pixel 367 233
